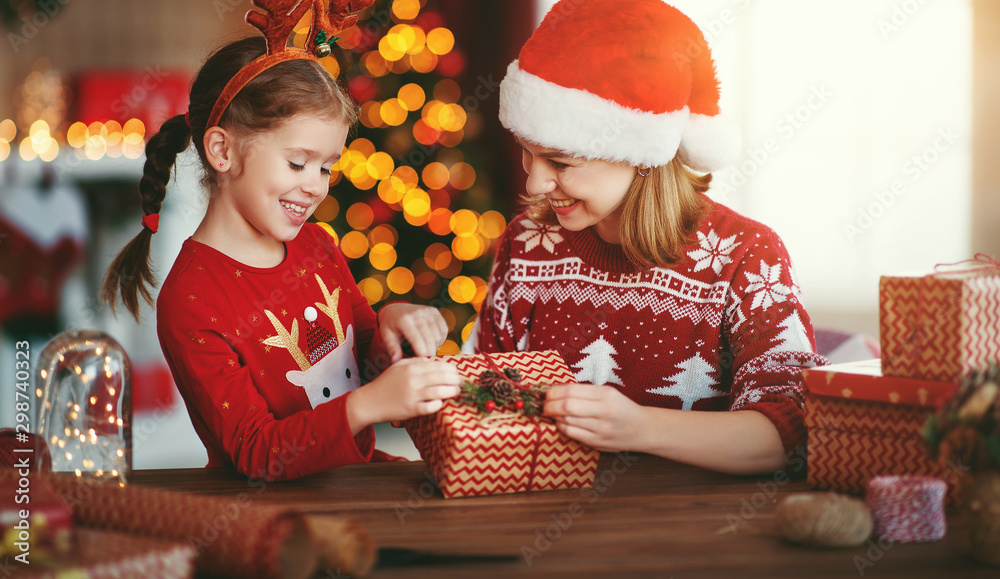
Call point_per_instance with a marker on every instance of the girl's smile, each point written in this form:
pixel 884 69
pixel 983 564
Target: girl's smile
pixel 274 185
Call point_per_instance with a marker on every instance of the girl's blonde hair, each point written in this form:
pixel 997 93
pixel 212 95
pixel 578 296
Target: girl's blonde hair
pixel 660 213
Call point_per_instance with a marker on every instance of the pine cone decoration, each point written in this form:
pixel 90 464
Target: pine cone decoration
pixel 488 378
pixel 513 374
pixel 504 392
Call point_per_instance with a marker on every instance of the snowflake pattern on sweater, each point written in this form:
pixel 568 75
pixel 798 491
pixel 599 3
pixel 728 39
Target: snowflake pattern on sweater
pixel 723 330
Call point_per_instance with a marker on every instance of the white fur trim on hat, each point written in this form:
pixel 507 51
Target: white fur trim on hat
pixel 586 125
pixel 710 143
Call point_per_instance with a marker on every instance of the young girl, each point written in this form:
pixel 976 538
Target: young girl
pixel 685 313
pixel 261 323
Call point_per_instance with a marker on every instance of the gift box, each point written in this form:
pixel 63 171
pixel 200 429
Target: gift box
pixel 862 424
pixel 940 326
pixel 470 452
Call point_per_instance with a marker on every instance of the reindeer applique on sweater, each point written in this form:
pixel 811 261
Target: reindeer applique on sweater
pixel 330 369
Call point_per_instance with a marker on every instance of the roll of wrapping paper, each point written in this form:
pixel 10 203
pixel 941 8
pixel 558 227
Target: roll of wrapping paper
pixel 907 508
pixel 234 536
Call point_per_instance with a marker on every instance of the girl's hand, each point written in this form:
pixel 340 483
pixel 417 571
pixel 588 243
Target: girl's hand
pixel 422 326
pixel 598 416
pixel 408 388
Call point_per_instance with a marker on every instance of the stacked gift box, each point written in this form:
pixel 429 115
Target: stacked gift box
pixel 472 451
pixel 867 418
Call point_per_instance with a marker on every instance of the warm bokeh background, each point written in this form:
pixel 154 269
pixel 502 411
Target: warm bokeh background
pixel 869 128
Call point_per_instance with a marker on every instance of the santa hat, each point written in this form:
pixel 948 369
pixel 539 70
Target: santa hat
pixel 629 82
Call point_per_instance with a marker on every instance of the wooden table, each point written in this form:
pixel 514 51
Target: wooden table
pixel 645 516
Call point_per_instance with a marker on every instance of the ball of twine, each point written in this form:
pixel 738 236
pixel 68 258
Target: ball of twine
pixel 824 520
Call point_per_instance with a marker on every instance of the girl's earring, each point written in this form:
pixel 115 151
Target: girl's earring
pixel 643 170
pixel 222 164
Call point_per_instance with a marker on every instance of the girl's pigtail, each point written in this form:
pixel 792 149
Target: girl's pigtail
pixel 130 274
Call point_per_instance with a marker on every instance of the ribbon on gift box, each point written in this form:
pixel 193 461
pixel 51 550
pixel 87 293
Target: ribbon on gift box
pixel 470 454
pixel 981 258
pixel 492 418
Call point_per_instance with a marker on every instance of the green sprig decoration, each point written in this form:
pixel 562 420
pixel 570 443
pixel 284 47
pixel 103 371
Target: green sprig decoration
pixel 492 392
pixel 321 38
pixel 966 430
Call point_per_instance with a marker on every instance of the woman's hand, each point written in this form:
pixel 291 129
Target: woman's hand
pixel 598 416
pixel 408 388
pixel 422 326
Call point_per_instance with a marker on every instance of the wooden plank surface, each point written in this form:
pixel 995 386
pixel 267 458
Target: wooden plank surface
pixel 645 517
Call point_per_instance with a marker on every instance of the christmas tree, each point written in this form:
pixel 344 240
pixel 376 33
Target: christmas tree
pixel 408 206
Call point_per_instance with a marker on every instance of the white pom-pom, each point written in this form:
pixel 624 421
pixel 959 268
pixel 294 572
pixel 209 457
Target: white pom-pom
pixel 710 143
pixel 310 314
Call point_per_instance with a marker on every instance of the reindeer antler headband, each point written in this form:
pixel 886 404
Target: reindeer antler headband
pixel 276 22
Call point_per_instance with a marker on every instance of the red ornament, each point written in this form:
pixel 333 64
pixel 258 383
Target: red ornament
pixel 519 404
pixel 490 406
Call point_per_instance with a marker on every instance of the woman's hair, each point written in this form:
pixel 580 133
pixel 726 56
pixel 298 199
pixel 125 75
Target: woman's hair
pixel 660 213
pixel 282 91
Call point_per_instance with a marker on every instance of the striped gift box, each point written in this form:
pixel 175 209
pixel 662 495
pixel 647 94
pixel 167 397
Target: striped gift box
pixel 862 424
pixel 504 452
pixel 940 326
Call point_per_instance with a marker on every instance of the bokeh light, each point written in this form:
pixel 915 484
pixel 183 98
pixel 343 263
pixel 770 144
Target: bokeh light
pixel 400 280
pixel 449 348
pixel 354 245
pixel 328 209
pixel 436 175
pixel 440 41
pixel 464 222
pixel 382 256
pixel 411 96
pixel 437 256
pixel 467 330
pixel 463 176
pixel 8 130
pixel 424 61
pixel 380 165
pixel 416 206
pixel 462 289
pixel 360 216
pixel 393 112
pixel 468 248
pixel 392 190
pixel 492 224
pixel 384 233
pixel 391 48
pixel 374 288
pixel 440 221
pixel 405 9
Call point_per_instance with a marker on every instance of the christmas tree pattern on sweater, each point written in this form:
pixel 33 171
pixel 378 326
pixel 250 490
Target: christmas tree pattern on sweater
pixel 725 329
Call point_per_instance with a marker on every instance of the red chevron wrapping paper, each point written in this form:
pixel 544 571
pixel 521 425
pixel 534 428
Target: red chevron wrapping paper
pixel 229 537
pixel 102 554
pixel 862 424
pixel 503 452
pixel 940 326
